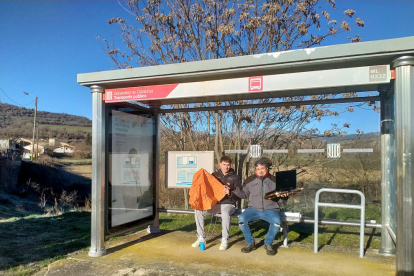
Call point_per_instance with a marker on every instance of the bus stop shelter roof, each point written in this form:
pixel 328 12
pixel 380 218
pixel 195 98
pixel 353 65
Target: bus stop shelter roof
pixel 311 59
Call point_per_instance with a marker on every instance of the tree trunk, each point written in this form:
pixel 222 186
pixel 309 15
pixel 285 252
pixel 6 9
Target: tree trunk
pixel 216 138
pixel 208 130
pixel 221 136
pixel 185 199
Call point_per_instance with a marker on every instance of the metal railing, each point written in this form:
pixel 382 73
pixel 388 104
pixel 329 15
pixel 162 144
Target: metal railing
pixel 361 207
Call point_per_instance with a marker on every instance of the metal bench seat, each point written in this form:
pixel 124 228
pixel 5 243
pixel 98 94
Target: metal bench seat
pixel 284 216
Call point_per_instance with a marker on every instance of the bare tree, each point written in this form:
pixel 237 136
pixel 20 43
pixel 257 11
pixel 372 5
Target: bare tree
pixel 176 31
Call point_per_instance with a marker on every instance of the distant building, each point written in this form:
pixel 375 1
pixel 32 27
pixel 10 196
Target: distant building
pixel 28 148
pixel 25 142
pixel 64 149
pixel 52 142
pixel 8 144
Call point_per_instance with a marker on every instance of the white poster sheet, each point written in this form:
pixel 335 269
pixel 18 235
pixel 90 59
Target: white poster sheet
pixel 182 165
pixel 130 171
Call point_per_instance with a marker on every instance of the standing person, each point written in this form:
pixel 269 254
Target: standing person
pixel 256 186
pixel 228 177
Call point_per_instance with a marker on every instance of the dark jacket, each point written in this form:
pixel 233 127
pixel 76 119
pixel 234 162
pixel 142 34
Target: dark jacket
pixel 233 179
pixel 254 191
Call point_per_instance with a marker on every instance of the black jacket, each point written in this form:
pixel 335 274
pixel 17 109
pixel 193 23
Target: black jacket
pixel 234 180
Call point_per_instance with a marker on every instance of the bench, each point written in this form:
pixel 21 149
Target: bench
pixel 284 216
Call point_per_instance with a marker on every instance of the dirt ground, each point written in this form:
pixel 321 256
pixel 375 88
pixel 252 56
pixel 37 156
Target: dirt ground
pixel 170 253
pixel 79 169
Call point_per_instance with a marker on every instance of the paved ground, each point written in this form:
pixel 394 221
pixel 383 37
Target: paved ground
pixel 170 253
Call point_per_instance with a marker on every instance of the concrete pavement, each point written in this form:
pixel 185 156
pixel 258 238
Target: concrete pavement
pixel 170 253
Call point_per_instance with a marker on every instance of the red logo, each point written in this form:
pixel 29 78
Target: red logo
pixel 256 84
pixel 139 93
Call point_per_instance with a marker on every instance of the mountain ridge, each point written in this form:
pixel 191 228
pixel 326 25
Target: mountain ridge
pixel 16 121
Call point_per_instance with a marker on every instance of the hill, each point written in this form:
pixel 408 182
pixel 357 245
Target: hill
pixel 17 122
pixel 369 135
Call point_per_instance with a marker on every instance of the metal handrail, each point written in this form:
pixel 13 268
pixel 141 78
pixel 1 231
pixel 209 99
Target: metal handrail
pixel 391 232
pixel 361 207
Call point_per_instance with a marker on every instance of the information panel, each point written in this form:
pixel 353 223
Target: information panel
pixel 130 174
pixel 181 166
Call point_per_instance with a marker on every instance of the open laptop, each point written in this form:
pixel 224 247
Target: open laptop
pixel 286 180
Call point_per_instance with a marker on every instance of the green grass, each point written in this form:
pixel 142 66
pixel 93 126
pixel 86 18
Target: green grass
pixel 13 207
pixel 33 242
pixel 86 161
pixel 69 129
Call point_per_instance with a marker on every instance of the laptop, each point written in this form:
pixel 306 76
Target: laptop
pixel 286 180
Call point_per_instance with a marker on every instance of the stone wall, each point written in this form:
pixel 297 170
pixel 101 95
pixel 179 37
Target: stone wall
pixel 10 164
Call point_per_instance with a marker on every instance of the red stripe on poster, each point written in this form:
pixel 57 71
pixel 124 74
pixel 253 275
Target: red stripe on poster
pixel 139 93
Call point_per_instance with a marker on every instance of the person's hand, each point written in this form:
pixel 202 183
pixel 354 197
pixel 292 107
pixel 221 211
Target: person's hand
pixel 227 190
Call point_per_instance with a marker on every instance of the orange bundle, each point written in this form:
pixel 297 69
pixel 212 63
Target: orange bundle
pixel 205 191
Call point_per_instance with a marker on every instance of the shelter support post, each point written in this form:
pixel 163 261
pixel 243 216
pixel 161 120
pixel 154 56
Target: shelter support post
pixel 155 227
pixel 97 248
pixel 387 171
pixel 404 155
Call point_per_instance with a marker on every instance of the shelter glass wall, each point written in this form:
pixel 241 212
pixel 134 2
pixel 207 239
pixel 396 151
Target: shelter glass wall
pixel 281 134
pixel 131 172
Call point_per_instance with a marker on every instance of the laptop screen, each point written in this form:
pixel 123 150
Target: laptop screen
pixel 285 180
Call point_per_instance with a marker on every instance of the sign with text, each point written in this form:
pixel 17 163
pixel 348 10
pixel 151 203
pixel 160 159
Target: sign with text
pixel 323 79
pixel 378 73
pixel 130 170
pixel 139 93
pixel 182 165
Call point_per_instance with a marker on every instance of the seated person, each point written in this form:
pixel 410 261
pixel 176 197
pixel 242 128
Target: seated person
pixel 256 186
pixel 228 177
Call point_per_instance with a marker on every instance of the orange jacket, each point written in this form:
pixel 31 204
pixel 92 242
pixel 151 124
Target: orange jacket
pixel 205 191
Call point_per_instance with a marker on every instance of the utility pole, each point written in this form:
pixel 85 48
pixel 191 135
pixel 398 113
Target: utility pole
pixel 37 141
pixel 34 126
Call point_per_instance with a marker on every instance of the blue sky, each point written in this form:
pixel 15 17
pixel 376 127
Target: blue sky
pixel 45 44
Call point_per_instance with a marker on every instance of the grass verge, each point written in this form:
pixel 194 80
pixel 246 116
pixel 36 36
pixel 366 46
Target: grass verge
pixel 33 242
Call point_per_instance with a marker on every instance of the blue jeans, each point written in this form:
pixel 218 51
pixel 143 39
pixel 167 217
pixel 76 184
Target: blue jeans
pixel 271 216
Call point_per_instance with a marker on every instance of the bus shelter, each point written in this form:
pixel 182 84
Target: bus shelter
pixel 120 159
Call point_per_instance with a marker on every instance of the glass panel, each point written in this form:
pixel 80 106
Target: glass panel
pixel 328 157
pixel 131 147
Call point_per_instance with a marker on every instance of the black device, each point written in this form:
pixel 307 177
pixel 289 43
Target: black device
pixel 286 180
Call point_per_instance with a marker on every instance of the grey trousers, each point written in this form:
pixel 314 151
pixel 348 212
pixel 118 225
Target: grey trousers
pixel 226 211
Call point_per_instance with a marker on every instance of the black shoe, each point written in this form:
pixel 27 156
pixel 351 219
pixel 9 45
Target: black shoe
pixel 269 250
pixel 248 248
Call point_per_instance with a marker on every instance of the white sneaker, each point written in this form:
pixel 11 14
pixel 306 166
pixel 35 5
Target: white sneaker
pixel 197 242
pixel 224 244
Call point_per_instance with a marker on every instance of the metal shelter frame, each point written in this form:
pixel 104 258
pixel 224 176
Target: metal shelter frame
pixel 397 116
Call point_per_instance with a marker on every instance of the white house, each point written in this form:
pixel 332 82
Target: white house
pixel 8 144
pixel 64 149
pixel 28 148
